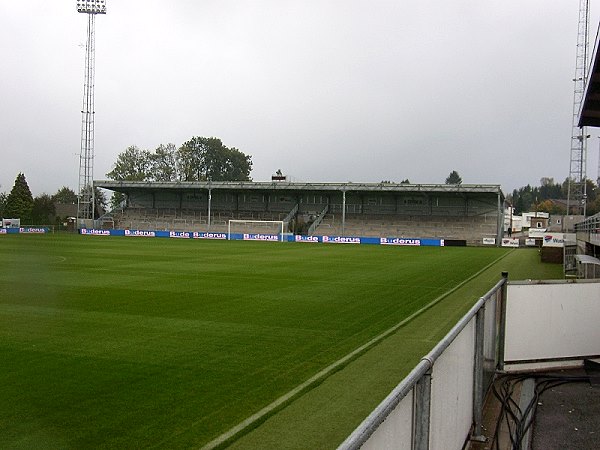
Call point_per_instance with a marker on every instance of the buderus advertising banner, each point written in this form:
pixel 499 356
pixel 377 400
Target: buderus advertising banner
pixel 24 230
pixel 263 237
pixel 412 242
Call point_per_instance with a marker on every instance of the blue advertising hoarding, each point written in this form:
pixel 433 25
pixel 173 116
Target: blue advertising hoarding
pixel 24 230
pixel 393 241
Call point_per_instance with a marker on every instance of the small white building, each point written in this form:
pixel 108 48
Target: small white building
pixel 517 223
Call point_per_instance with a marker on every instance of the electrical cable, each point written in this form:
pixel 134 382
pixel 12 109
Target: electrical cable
pixel 517 421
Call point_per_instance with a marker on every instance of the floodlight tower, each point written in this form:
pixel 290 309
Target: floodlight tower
pixel 576 195
pixel 85 202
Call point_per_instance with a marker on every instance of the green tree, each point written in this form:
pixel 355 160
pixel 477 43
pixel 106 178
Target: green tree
pixel 519 205
pixel 100 201
pixel 527 197
pixel 132 164
pixel 43 210
pixel 454 178
pixel 65 196
pixel 524 198
pixel 162 164
pixel 550 207
pixel 191 158
pixel 593 198
pixel 593 207
pixel 564 189
pixel 233 165
pixel 116 200
pixel 198 159
pixel 202 158
pixel 549 190
pixel 19 203
pixel 3 197
pixel 591 190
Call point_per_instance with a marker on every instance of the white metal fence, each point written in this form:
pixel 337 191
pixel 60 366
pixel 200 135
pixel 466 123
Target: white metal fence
pixel 439 404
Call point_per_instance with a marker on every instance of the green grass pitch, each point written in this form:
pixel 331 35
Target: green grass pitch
pixel 164 343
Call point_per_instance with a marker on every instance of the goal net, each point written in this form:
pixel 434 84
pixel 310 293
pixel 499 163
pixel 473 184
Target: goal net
pixel 256 230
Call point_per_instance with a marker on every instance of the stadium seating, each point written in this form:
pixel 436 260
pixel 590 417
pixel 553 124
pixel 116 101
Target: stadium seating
pixel 467 228
pixel 465 214
pixel 453 227
pixel 189 220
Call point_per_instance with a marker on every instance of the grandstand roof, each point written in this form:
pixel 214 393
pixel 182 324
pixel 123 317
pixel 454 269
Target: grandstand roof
pixel 125 186
pixel 589 114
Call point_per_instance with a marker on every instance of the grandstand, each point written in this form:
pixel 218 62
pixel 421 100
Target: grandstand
pixel 461 214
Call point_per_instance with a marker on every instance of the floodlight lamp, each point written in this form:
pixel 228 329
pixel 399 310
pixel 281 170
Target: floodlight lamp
pixel 91 6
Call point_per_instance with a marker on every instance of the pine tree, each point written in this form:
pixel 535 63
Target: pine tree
pixel 454 178
pixel 19 203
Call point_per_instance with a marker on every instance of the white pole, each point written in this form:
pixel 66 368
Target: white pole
pixel 343 212
pixel 209 201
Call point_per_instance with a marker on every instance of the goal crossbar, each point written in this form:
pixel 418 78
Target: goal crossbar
pixel 280 223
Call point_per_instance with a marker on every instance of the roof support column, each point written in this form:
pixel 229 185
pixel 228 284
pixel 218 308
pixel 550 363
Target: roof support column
pixel 500 231
pixel 343 212
pixel 209 205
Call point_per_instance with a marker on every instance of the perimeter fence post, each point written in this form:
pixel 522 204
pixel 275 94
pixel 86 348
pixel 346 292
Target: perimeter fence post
pixel 478 375
pixel 421 415
pixel 502 327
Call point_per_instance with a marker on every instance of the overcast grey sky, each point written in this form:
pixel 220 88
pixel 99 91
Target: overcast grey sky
pixel 326 90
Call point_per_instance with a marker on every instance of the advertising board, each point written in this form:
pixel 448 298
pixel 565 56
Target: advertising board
pixel 553 240
pixel 510 242
pixel 393 241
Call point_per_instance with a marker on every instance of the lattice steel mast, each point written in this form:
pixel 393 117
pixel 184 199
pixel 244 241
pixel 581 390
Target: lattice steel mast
pixel 86 200
pixel 576 196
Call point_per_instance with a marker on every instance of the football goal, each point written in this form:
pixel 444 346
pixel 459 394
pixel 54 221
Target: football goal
pixel 257 229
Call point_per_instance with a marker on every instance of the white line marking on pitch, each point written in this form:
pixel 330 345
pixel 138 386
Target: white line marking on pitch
pixel 332 367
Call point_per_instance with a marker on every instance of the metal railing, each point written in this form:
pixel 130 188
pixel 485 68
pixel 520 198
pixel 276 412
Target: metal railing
pixel 318 221
pixel 450 381
pixel 588 225
pixel 291 214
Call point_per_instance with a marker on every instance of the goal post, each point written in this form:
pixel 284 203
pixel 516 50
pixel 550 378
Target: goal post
pixel 257 229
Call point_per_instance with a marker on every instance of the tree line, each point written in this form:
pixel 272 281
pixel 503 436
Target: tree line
pixel 543 197
pixel 39 210
pixel 199 159
pixel 202 159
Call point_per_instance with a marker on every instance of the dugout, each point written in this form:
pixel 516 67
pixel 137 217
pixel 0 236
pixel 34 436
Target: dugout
pixel 454 212
pixel 587 266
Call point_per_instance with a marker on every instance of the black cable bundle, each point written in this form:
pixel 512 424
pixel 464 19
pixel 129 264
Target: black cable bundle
pixel 519 422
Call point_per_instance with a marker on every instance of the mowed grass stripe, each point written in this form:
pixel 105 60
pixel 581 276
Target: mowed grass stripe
pixel 325 415
pixel 203 334
pixel 269 409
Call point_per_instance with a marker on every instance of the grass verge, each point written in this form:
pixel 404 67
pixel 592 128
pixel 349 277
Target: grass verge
pixel 326 415
pixel 121 342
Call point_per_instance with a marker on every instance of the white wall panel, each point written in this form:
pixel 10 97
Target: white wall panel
pixel 395 432
pixel 546 321
pixel 452 393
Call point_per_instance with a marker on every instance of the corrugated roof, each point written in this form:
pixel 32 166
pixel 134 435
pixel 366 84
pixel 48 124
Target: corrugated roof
pixel 589 114
pixel 586 259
